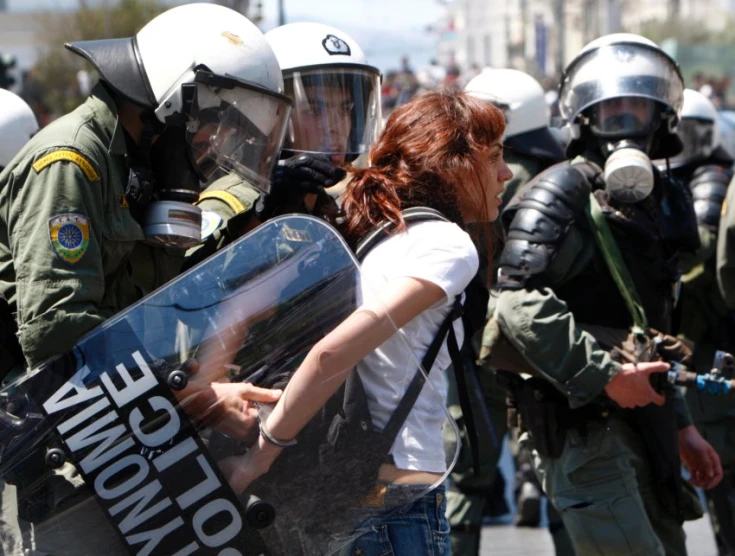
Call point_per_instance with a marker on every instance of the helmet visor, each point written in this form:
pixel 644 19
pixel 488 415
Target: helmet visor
pixel 699 140
pixel 624 117
pixel 620 70
pixel 239 129
pixel 336 110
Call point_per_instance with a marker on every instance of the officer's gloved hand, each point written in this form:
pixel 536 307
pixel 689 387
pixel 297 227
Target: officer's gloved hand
pixel 295 177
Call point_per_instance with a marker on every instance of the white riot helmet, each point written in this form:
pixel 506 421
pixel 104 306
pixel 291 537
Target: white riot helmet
pixel 210 68
pixel 518 94
pixel 522 100
pixel 699 129
pixel 17 125
pixel 336 92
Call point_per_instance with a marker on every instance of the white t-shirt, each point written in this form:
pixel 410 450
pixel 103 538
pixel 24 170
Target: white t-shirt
pixel 443 254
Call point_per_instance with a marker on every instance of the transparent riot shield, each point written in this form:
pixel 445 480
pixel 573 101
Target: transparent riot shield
pixel 117 446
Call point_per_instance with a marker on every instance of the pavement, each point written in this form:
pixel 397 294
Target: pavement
pixel 507 540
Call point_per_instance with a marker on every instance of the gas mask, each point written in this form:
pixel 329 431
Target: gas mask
pixel 628 172
pixel 161 193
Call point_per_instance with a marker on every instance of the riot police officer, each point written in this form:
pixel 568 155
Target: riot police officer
pixel 98 206
pixel 588 269
pixel 336 117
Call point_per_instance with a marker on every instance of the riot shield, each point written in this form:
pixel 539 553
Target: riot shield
pixel 116 447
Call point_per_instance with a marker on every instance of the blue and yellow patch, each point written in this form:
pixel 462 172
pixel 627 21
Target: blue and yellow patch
pixel 69 236
pixel 210 223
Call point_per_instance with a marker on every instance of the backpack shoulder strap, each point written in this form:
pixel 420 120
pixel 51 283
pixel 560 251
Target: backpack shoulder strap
pixel 382 230
pixel 404 407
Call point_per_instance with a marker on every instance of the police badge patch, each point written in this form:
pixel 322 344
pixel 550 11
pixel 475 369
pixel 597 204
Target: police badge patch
pixel 69 236
pixel 210 222
pixel 335 45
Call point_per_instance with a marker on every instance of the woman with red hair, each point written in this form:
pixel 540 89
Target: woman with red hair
pixel 442 151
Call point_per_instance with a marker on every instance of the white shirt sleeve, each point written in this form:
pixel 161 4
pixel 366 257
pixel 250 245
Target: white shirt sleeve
pixel 441 253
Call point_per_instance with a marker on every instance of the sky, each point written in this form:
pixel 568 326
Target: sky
pixel 386 29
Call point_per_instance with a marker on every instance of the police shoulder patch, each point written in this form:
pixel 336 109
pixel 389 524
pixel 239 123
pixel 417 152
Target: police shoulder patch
pixel 69 236
pixel 70 156
pixel 210 222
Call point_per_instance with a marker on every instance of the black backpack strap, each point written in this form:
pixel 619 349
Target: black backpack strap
pixel 382 231
pixel 414 388
pixel 462 374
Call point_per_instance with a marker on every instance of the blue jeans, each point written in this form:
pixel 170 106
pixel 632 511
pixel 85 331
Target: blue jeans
pixel 419 528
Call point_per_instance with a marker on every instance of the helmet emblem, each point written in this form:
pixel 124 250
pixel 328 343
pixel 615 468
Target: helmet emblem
pixel 233 38
pixel 335 45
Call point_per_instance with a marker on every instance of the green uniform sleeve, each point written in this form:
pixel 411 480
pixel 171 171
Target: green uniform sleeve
pixel 58 291
pixel 229 207
pixel 726 249
pixel 541 327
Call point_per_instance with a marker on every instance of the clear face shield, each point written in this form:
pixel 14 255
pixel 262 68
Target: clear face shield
pixel 236 126
pixel 624 117
pixel 617 71
pixel 336 111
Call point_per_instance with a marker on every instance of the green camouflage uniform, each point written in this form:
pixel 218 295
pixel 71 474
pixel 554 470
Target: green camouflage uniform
pixel 70 179
pixel 470 497
pixel 71 256
pixel 602 484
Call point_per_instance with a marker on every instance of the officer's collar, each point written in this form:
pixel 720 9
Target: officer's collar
pixel 111 121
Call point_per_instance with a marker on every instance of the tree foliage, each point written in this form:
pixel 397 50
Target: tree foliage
pixel 687 31
pixel 55 73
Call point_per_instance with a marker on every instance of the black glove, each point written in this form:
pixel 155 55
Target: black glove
pixel 295 177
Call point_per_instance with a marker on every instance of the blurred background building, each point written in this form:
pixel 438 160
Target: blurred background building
pixel 542 36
